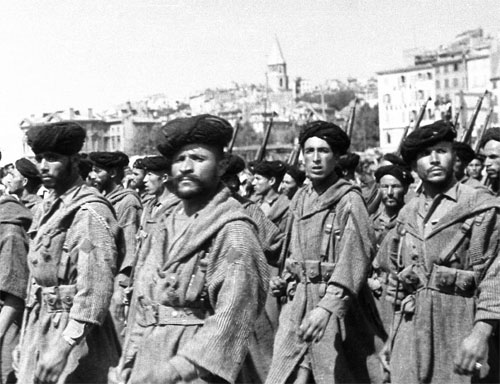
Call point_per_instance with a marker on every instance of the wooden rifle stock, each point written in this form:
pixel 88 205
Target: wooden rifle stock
pixel 419 119
pixel 468 133
pixel 485 128
pixel 457 115
pixel 293 159
pixel 233 139
pixel 262 150
pixel 350 124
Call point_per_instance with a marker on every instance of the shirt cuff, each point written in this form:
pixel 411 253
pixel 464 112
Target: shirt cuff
pixel 76 331
pixel 335 301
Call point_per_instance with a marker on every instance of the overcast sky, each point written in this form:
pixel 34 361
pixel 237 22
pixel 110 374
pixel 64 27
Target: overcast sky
pixel 61 54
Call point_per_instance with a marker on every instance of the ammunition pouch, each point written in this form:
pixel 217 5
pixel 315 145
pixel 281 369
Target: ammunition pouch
pixel 307 272
pixel 55 299
pixel 452 281
pixel 154 314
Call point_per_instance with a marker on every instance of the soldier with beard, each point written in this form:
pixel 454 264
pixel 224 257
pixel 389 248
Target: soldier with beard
pixel 107 174
pixel 206 279
pixel 67 336
pixel 490 149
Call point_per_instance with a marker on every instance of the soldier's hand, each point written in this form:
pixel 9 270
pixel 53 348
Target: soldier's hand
pixel 118 305
pixel 314 325
pixel 277 285
pixel 395 292
pixel 51 363
pixel 473 352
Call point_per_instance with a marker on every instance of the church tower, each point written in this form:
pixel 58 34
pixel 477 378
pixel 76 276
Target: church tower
pixel 276 69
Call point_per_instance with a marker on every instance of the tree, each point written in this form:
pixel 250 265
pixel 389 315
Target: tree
pixel 337 100
pixel 366 129
pixel 247 135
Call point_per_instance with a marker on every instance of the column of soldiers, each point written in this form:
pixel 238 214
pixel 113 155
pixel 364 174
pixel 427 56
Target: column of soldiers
pixel 310 279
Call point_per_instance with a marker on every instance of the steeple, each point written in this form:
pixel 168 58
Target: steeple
pixel 276 69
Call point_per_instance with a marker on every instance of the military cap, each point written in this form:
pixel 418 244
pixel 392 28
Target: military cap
pixel 65 138
pixel 425 137
pixel 336 138
pixel 394 159
pixel 138 164
pixel 107 160
pixel 490 134
pixel 202 129
pixel 400 173
pixel 276 169
pixel 464 152
pixel 156 164
pixel 349 161
pixel 235 165
pixel 298 175
pixel 28 169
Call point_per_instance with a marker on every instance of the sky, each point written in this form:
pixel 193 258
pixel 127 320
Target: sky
pixel 97 54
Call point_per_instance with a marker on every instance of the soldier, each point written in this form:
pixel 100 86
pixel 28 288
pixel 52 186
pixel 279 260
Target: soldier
pixel 325 334
pixel 266 181
pixel 25 182
pixel 235 165
pixel 490 149
pixel 67 336
pixel 464 155
pixel 206 281
pixel 137 181
pixel 15 220
pixel 444 251
pixel 475 167
pixel 293 180
pixel 107 174
pixel 347 166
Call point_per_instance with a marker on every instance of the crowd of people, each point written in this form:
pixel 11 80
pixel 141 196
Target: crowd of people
pixel 197 267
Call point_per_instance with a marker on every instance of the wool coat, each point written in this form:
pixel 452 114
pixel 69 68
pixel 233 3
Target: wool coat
pixel 429 333
pixel 346 353
pixel 15 219
pixel 73 246
pixel 234 290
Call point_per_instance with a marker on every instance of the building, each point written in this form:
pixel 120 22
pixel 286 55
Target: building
pixel 277 78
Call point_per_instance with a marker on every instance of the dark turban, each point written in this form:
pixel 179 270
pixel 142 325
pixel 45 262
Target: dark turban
pixel 425 137
pixel 276 169
pixel 400 173
pixel 235 165
pixel 490 134
pixel 464 152
pixel 138 164
pixel 84 165
pixel 65 138
pixel 394 159
pixel 202 129
pixel 349 161
pixel 108 160
pixel 298 175
pixel 28 169
pixel 336 138
pixel 156 164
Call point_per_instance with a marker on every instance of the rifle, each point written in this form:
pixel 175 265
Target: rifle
pixel 468 133
pixel 233 139
pixel 419 119
pixel 262 150
pixel 350 122
pixel 293 159
pixel 457 115
pixel 485 128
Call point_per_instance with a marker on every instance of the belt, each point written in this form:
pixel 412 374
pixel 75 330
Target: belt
pixel 158 314
pixel 58 298
pixel 452 281
pixel 309 271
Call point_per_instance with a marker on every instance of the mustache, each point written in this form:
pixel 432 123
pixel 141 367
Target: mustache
pixel 180 178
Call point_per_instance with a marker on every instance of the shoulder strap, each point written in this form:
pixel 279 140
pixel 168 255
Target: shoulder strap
pixel 327 238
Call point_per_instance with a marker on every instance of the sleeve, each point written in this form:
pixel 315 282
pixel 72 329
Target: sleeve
pixel 129 222
pixel 353 255
pixel 96 249
pixel 13 260
pixel 237 280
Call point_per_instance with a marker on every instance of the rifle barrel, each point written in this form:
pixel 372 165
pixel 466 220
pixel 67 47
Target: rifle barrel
pixel 233 139
pixel 262 150
pixel 468 133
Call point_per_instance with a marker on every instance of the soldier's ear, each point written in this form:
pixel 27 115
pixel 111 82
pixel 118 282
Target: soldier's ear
pixel 25 181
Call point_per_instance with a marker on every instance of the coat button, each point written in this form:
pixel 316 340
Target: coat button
pixel 174 314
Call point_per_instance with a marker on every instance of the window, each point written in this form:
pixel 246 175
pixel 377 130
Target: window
pixel 281 82
pixel 445 67
pixel 447 83
pixel 420 95
pixel 387 98
pixel 438 84
pixel 403 79
pixel 429 76
pixel 455 82
pixel 388 136
pixel 456 67
pixel 437 69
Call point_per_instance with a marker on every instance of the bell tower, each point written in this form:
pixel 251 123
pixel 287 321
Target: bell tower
pixel 276 69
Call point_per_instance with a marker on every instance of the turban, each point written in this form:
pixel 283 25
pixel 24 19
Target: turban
pixel 84 166
pixel 138 164
pixel 464 152
pixel 490 134
pixel 336 138
pixel 400 173
pixel 65 138
pixel 235 165
pixel 156 164
pixel 394 159
pixel 28 169
pixel 107 160
pixel 298 175
pixel 425 137
pixel 202 129
pixel 276 169
pixel 349 161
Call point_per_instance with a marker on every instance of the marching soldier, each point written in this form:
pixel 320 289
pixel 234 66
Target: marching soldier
pixel 325 333
pixel 25 181
pixel 490 149
pixel 67 336
pixel 475 168
pixel 464 155
pixel 206 280
pixel 443 253
pixel 293 180
pixel 347 166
